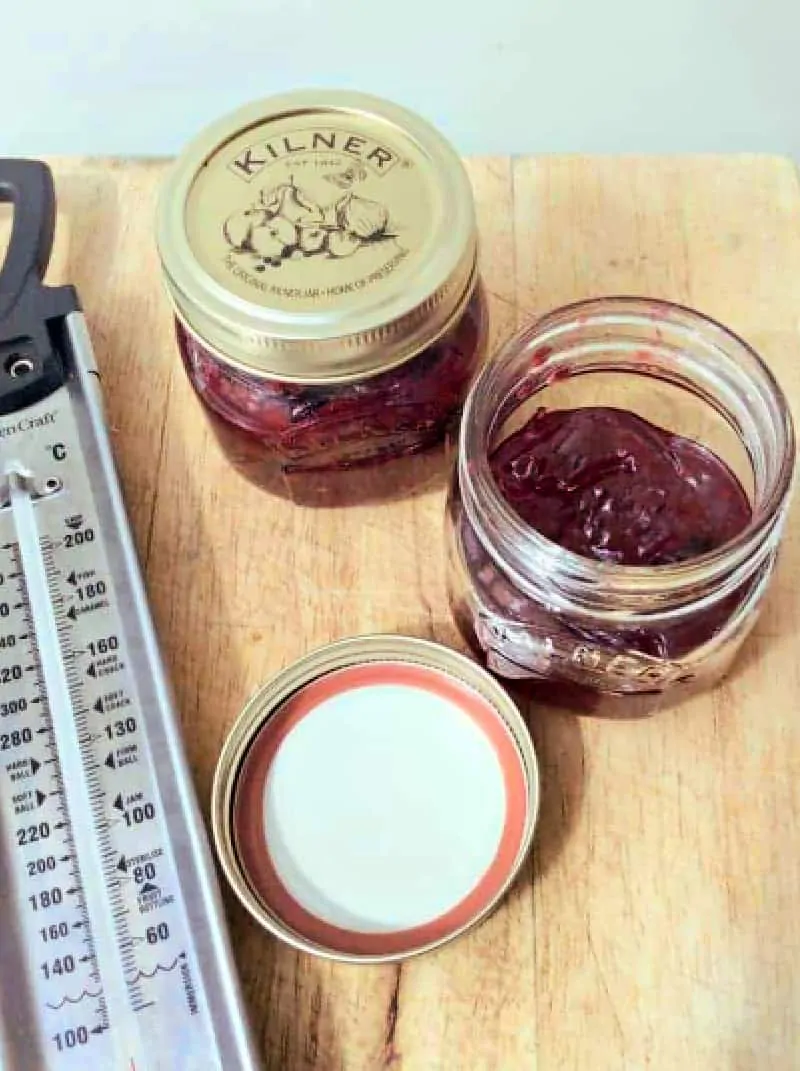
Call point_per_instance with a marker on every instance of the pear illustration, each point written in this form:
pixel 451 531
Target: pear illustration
pixel 289 201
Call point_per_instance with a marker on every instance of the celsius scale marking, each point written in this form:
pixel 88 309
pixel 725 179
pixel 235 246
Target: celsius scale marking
pixel 113 952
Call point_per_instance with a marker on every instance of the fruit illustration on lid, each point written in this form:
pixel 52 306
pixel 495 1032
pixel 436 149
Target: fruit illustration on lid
pixel 313 238
pixel 286 223
pixel 275 238
pixel 345 179
pixel 288 201
pixel 342 244
pixel 238 228
pixel 362 218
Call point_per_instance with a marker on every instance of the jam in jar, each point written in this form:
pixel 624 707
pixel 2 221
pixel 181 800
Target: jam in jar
pixel 624 474
pixel 607 484
pixel 320 253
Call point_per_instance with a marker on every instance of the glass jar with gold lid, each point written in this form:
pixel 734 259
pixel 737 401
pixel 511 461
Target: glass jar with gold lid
pixel 320 252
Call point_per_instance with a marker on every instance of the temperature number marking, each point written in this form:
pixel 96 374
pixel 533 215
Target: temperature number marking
pixel 70 1038
pixel 41 865
pixel 46 899
pixel 8 641
pixel 55 932
pixel 123 727
pixel 57 967
pixel 104 646
pixel 77 539
pixel 30 834
pixel 154 934
pixel 8 741
pixel 137 815
pixel 13 706
pixel 10 673
pixel 92 591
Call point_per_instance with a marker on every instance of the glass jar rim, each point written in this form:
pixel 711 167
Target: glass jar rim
pixel 570 573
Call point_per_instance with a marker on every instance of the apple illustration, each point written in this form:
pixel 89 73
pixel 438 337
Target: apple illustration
pixel 238 227
pixel 342 244
pixel 313 238
pixel 274 239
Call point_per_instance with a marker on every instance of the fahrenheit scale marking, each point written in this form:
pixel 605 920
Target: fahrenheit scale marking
pixel 116 964
pixel 67 728
pixel 97 888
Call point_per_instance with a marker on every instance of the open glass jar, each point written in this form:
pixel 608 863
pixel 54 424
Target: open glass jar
pixel 320 252
pixel 537 612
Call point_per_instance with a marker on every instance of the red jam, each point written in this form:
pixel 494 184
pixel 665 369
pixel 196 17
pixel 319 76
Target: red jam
pixel 282 435
pixel 609 485
pixel 320 250
pixel 598 561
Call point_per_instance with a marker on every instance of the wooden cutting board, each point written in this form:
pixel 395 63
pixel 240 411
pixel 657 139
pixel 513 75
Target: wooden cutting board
pixel 656 926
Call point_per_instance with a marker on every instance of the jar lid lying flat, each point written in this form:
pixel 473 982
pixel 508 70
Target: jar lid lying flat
pixel 376 799
pixel 318 236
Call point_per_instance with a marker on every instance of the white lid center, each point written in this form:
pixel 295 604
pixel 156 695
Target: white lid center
pixel 383 808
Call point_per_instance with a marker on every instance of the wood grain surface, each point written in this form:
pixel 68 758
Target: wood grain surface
pixel 656 926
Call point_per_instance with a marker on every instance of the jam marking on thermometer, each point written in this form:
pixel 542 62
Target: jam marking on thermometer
pixel 69 732
pixel 113 951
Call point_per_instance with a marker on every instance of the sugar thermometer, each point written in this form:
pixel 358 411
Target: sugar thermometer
pixel 113 949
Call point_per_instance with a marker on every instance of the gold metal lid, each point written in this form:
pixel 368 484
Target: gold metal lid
pixel 387 700
pixel 318 235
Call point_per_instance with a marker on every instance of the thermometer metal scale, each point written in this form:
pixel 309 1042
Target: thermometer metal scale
pixel 113 948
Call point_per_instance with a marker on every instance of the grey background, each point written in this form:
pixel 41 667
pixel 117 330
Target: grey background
pixel 503 76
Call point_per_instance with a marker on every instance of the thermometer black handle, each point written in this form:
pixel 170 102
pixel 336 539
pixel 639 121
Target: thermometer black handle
pixel 31 314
